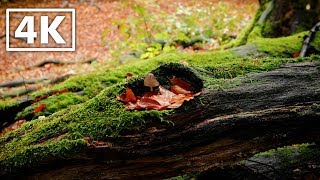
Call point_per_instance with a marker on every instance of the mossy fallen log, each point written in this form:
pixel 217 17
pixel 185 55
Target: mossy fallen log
pixel 289 162
pixel 252 114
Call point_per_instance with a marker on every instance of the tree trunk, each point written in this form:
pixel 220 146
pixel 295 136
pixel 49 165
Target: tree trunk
pixel 287 17
pixel 267 110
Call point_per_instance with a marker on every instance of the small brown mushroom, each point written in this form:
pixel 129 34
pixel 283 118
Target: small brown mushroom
pixel 151 81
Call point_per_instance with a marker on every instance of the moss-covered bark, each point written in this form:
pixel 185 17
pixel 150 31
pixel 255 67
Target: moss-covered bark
pixel 95 113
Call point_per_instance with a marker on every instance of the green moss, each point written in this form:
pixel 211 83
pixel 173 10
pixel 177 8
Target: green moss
pixel 316 41
pixel 267 28
pixel 277 47
pixel 183 177
pixel 292 154
pixel 60 149
pixel 99 118
pixel 7 103
pixel 221 63
pixel 103 116
pixel 98 115
pixel 53 104
pixel 92 84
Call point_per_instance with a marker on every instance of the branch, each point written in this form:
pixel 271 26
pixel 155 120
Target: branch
pixel 59 62
pixel 220 128
pixel 308 39
pixel 22 82
pixel 25 90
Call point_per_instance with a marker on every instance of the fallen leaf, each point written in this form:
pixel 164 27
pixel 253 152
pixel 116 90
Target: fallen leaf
pixel 296 54
pixel 150 93
pixel 39 108
pixel 179 90
pixel 159 100
pixel 149 103
pixel 127 97
pixel 132 106
pixel 181 83
pixel 166 93
pixel 178 100
pixel 130 97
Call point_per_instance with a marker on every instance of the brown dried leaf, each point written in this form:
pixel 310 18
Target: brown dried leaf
pixel 39 108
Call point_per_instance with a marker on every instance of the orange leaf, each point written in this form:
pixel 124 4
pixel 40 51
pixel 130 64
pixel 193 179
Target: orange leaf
pixel 296 54
pixel 181 83
pixel 127 97
pixel 150 93
pixel 130 97
pixel 149 103
pixel 39 108
pixel 166 93
pixel 159 100
pixel 132 106
pixel 179 90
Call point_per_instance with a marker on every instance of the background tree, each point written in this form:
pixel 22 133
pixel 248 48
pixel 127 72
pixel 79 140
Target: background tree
pixel 287 17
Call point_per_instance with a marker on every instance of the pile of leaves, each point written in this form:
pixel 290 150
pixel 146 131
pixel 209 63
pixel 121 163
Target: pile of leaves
pixel 179 92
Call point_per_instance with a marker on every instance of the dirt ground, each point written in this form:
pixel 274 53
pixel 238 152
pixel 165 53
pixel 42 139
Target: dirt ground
pixel 92 18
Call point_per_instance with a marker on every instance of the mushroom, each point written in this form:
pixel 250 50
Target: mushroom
pixel 151 81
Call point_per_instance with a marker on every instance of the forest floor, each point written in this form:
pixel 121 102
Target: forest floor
pixel 95 25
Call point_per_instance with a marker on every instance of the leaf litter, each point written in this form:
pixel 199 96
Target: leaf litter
pixel 179 92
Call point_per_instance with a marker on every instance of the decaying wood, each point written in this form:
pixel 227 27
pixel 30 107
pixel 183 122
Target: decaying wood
pixel 267 110
pixel 60 62
pixel 30 88
pixel 21 82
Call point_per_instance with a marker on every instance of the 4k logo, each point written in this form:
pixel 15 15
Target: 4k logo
pixel 36 33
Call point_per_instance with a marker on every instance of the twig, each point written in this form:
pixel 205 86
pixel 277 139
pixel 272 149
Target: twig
pixel 60 62
pixel 22 82
pixel 25 90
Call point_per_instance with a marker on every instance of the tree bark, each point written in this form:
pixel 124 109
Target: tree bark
pixel 289 17
pixel 267 110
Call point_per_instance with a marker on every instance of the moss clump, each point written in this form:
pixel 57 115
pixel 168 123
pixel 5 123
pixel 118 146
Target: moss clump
pixel 276 47
pixel 316 41
pixel 103 116
pixel 267 28
pixel 98 115
pixel 287 151
pixel 223 64
pixel 53 104
pixel 7 103
pixel 34 154
pixel 99 118
pixel 285 158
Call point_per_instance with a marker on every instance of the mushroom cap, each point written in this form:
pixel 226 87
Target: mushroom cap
pixel 150 80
